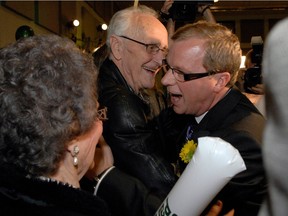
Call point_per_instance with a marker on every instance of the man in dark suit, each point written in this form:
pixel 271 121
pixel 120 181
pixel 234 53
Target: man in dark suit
pixel 201 69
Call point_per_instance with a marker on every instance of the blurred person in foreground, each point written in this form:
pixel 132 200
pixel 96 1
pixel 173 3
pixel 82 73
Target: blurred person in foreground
pixel 275 76
pixel 202 66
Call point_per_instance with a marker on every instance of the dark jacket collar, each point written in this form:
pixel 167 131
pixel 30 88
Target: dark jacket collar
pixel 109 71
pixel 111 79
pixel 231 105
pixel 34 195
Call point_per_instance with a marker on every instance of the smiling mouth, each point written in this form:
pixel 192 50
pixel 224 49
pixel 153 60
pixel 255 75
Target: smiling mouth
pixel 152 70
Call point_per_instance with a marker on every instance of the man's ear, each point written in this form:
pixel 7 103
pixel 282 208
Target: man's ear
pixel 116 47
pixel 222 80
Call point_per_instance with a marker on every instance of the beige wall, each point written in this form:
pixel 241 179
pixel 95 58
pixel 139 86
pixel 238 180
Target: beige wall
pixel 10 22
pixel 51 17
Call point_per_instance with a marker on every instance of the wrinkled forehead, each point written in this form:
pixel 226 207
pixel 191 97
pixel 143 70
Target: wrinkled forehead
pixel 149 26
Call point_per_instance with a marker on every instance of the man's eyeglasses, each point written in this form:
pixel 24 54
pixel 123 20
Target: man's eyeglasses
pixel 102 114
pixel 183 77
pixel 150 48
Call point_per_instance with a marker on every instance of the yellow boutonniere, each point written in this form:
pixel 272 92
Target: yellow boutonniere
pixel 187 151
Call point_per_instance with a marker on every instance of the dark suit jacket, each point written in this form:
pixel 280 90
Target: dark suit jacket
pixel 236 120
pixel 23 195
pixel 125 195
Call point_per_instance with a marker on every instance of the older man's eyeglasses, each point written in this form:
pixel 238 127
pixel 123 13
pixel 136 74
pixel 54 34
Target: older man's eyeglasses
pixel 150 48
pixel 102 114
pixel 183 77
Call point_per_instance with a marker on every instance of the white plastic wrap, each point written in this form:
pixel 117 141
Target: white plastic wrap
pixel 214 163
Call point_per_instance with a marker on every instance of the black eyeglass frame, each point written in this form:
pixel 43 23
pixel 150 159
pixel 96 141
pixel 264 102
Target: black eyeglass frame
pixel 164 50
pixel 188 76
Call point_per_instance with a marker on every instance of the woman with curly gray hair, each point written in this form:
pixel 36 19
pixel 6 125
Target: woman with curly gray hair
pixel 49 127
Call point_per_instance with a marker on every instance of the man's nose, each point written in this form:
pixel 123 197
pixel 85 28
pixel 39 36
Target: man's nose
pixel 168 78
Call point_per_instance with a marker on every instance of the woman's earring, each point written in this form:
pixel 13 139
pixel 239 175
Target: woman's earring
pixel 74 154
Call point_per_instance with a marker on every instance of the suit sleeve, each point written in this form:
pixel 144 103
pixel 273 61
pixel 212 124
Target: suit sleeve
pixel 126 195
pixel 246 190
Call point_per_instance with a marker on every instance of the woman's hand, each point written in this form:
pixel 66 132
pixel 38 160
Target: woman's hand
pixel 103 159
